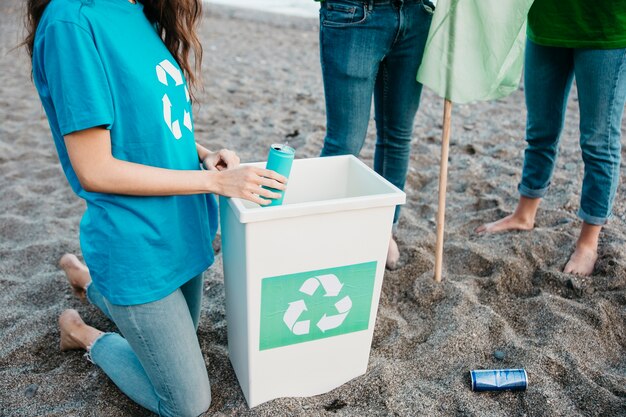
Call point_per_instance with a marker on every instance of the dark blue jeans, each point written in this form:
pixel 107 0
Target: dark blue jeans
pixel 601 83
pixel 373 48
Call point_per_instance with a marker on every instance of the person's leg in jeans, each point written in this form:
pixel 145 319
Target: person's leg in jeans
pixel 547 81
pixel 158 364
pixel 80 281
pixel 354 38
pixel 601 83
pixel 352 44
pixel 396 100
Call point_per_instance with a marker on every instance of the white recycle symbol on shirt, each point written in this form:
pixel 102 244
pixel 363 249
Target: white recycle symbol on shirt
pixel 163 69
pixel 330 283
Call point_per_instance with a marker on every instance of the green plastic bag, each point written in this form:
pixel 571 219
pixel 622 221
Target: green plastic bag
pixel 475 49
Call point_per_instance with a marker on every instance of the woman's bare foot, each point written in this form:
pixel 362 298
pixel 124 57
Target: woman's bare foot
pixel 582 261
pixel 77 274
pixel 510 222
pixel 584 258
pixel 75 334
pixel 393 255
pixel 523 218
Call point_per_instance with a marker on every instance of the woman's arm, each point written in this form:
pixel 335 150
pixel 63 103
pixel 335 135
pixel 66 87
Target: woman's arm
pixel 98 171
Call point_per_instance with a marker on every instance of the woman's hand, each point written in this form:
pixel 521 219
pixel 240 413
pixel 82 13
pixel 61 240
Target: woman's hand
pixel 221 160
pixel 247 183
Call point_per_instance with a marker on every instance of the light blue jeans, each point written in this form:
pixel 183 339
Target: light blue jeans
pixel 373 47
pixel 601 83
pixel 158 362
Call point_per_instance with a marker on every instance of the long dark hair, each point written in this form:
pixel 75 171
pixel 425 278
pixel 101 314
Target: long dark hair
pixel 176 21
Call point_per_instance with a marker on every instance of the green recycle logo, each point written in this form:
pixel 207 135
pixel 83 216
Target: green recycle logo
pixel 332 287
pixel 163 69
pixel 305 306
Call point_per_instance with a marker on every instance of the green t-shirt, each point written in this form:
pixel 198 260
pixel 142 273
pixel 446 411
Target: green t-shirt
pixel 595 24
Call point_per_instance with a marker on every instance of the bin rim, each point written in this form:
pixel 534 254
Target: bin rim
pixel 259 214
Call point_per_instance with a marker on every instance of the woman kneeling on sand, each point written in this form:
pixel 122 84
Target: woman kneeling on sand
pixel 111 77
pixel 586 40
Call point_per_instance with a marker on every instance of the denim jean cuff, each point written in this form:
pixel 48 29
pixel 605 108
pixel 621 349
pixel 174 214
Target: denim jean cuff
pixel 94 345
pixel 530 193
pixel 593 220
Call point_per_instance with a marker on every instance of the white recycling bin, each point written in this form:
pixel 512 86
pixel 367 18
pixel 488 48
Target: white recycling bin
pixel 303 280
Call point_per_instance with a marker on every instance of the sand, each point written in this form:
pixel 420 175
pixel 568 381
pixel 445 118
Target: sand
pixel 501 292
pixel 289 7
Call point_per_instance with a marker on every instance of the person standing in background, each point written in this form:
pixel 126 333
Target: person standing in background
pixel 373 48
pixel 586 41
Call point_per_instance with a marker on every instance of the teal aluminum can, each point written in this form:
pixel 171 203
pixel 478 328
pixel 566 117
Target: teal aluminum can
pixel 499 379
pixel 280 159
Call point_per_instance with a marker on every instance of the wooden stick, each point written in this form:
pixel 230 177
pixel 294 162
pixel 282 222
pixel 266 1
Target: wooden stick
pixel 443 184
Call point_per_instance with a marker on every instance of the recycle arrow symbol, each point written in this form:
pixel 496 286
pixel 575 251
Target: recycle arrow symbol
pixel 291 316
pixel 167 110
pixel 163 69
pixel 167 116
pixel 330 282
pixel 343 306
pixel 332 287
pixel 166 67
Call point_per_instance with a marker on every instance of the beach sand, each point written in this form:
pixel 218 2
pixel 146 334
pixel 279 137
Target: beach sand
pixel 302 8
pixel 501 292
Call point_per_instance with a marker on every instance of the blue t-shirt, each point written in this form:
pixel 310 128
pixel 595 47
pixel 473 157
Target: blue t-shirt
pixel 102 63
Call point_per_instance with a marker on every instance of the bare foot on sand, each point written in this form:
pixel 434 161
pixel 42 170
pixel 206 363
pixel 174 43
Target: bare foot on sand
pixel 585 256
pixel 75 334
pixel 393 255
pixel 523 218
pixel 582 261
pixel 77 274
pixel 510 222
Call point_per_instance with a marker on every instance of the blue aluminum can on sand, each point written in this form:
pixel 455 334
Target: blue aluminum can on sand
pixel 499 379
pixel 280 159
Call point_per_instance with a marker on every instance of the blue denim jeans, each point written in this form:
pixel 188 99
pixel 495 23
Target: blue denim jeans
pixel 601 83
pixel 158 362
pixel 373 48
